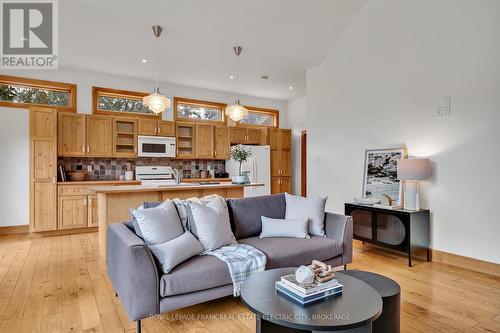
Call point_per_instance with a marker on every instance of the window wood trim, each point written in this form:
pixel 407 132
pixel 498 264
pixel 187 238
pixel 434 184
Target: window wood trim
pixel 42 84
pixel 275 113
pixel 97 91
pixel 197 102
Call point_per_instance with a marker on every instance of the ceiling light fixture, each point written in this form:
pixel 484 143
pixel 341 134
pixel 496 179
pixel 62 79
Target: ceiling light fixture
pixel 144 60
pixel 236 111
pixel 156 102
pixel 290 88
pixel 231 77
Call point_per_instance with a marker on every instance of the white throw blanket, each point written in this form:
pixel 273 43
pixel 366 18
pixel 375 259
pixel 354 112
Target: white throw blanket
pixel 243 260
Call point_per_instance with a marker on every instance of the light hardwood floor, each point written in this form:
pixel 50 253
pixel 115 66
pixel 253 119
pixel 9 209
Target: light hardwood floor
pixel 59 284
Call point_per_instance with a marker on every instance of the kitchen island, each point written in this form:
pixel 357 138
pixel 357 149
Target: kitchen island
pixel 114 202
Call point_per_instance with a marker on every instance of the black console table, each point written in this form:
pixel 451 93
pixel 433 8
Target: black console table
pixel 398 229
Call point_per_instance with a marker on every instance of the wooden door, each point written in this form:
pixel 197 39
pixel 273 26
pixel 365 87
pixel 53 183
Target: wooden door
pixel 222 142
pixel 43 169
pixel 166 128
pixel 204 141
pixel 71 134
pixel 99 136
pixel 92 217
pixel 124 137
pixel 275 185
pixel 254 136
pixel 148 126
pixel 285 163
pixel 72 212
pixel 285 138
pixel 238 135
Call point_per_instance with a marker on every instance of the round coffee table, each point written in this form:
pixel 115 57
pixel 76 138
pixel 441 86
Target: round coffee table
pixel 352 311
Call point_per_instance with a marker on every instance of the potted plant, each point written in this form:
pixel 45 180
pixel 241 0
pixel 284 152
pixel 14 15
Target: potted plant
pixel 240 154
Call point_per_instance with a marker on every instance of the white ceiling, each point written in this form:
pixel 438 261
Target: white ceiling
pixel 281 38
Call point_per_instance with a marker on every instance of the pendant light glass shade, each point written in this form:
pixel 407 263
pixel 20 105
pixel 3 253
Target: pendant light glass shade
pixel 236 111
pixel 156 102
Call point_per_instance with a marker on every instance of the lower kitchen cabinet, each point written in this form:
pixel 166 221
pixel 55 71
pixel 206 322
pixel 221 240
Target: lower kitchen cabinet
pixel 92 220
pixel 72 212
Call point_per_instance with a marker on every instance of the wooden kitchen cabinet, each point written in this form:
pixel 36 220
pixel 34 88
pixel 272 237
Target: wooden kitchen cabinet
pixel 280 185
pixel 124 137
pixel 99 136
pixel 155 127
pixel 204 141
pixel 279 140
pixel 92 217
pixel 185 140
pixel 43 169
pixel 246 135
pixel 72 212
pixel 222 142
pixel 71 134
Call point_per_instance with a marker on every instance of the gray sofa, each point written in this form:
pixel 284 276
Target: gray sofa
pixel 144 290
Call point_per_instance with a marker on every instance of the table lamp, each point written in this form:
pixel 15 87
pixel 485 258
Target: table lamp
pixel 411 171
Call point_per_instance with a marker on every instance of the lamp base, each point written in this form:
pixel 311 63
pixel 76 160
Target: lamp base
pixel 411 196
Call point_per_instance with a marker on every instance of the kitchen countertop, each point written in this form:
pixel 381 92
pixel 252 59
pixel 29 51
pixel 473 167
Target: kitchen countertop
pixel 101 182
pixel 156 188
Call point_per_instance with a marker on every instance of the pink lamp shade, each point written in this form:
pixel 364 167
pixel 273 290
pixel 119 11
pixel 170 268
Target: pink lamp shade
pixel 414 169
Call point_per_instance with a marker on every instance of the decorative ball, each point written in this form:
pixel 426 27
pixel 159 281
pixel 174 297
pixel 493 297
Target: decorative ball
pixel 304 274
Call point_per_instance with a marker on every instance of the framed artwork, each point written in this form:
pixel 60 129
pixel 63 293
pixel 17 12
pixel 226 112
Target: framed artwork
pixel 380 176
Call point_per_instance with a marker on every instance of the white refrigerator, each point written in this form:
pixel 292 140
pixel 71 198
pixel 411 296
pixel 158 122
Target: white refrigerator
pixel 259 168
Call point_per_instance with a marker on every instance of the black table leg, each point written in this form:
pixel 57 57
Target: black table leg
pixel 429 255
pixel 264 326
pixel 409 257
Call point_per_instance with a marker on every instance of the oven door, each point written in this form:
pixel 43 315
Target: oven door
pixel 154 146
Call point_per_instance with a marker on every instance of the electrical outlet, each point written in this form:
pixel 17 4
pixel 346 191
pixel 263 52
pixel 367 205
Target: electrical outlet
pixel 89 168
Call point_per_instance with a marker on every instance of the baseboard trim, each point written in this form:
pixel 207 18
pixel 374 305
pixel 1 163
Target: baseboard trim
pixel 472 264
pixel 63 232
pixel 15 229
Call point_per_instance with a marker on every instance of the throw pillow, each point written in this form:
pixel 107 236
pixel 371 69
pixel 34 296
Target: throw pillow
pixel 311 208
pixel 212 224
pixel 176 251
pixel 160 224
pixel 137 230
pixel 290 228
pixel 184 210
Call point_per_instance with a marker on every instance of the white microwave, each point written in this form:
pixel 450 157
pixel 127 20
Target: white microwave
pixel 156 146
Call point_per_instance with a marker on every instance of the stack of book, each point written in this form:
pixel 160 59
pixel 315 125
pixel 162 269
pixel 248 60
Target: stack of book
pixel 304 294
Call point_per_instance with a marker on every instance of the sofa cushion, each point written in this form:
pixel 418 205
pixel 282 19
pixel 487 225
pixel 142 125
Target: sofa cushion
pixel 198 273
pixel 245 214
pixel 291 228
pixel 289 252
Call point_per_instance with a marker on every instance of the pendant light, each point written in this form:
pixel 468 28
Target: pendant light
pixel 236 111
pixel 156 102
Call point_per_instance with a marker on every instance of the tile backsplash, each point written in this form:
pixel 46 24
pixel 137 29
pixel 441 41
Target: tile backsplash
pixel 112 168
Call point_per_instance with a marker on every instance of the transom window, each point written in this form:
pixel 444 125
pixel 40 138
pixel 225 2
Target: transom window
pixel 114 101
pixel 261 117
pixel 198 111
pixel 24 92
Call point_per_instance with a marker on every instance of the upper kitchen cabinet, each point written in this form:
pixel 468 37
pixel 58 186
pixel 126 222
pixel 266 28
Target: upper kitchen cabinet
pixel 185 140
pixel 154 127
pixel 124 137
pixel 99 136
pixel 222 142
pixel 246 135
pixel 71 134
pixel 204 141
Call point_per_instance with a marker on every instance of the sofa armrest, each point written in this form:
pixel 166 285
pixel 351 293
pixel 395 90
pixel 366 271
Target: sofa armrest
pixel 339 228
pixel 133 272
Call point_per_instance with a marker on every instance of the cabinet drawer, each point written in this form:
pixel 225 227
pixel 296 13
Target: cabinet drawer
pixel 63 190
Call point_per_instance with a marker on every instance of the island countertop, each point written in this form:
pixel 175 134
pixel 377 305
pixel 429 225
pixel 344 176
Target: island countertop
pixel 164 188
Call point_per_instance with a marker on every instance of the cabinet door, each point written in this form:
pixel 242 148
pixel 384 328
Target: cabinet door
pixel 72 211
pixel 185 140
pixel 273 138
pixel 285 139
pixel 222 144
pixel 124 137
pixel 93 220
pixel 148 126
pixel 238 135
pixel 285 163
pixel 99 136
pixel 204 141
pixel 43 169
pixel 166 128
pixel 275 163
pixel 71 134
pixel 275 185
pixel 253 136
pixel 286 185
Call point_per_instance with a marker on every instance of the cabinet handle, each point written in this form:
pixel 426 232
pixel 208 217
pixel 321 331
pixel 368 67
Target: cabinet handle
pixel 90 202
pixel 88 148
pixel 215 152
pixel 85 202
pixel 54 180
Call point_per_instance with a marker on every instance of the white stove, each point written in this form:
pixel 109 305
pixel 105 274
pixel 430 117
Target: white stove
pixel 156 175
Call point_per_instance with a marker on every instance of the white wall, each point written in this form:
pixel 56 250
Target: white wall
pixel 296 118
pixel 86 79
pixel 14 166
pixel 379 87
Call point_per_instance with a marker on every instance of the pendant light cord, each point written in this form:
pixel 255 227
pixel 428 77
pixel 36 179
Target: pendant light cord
pixel 157 64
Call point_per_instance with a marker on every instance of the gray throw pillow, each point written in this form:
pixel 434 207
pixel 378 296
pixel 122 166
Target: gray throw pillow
pixel 160 224
pixel 311 208
pixel 147 204
pixel 212 224
pixel 289 228
pixel 176 251
pixel 184 210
